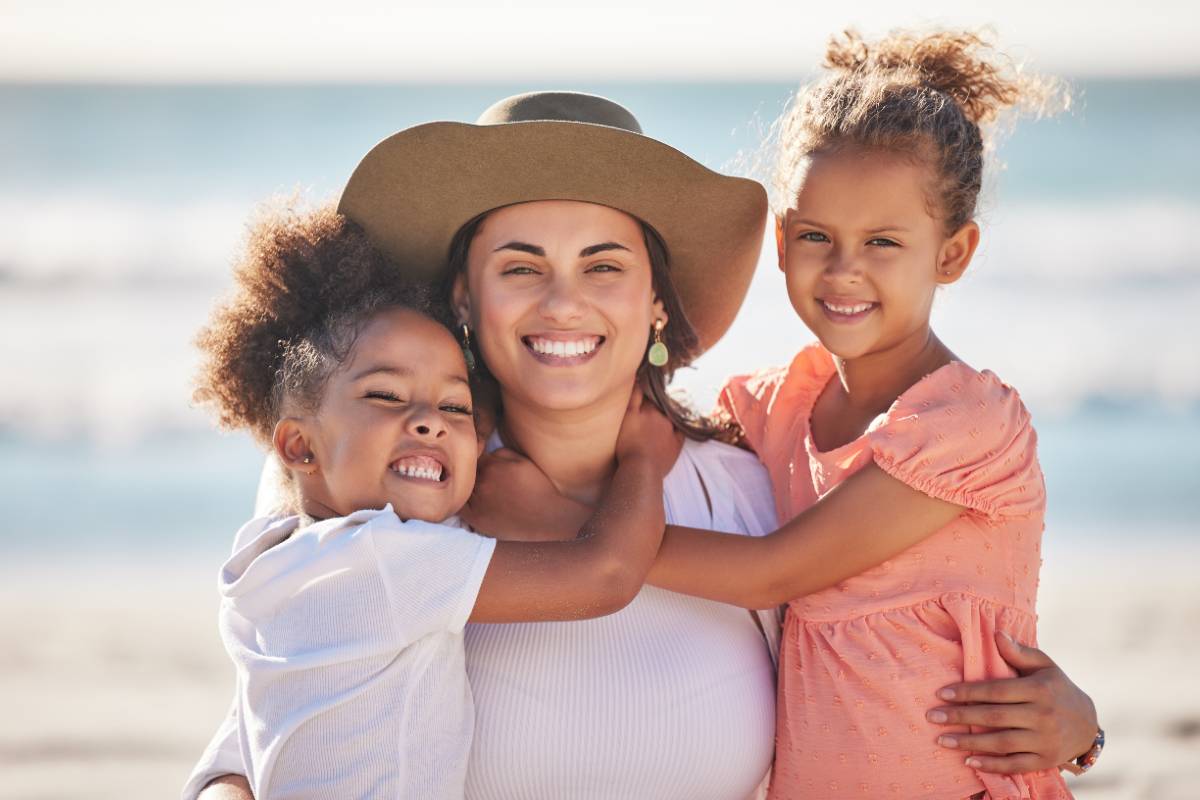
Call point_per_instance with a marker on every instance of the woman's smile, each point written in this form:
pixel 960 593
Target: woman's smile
pixel 562 349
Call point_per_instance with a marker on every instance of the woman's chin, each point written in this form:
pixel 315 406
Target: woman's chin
pixel 570 393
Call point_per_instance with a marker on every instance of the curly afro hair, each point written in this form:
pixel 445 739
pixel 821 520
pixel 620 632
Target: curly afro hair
pixel 304 287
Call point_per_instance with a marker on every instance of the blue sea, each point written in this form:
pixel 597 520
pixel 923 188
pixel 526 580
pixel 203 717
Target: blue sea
pixel 122 206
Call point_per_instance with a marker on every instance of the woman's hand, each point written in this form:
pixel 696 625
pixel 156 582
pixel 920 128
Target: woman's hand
pixel 515 501
pixel 1037 721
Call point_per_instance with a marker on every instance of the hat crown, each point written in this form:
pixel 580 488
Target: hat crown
pixel 560 107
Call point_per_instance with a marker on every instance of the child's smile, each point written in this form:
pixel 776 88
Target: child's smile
pixel 395 424
pixel 846 311
pixel 861 249
pixel 420 466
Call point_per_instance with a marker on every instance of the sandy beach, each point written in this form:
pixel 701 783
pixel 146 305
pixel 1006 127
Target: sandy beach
pixel 112 676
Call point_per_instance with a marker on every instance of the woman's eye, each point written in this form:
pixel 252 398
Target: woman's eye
pixel 520 269
pixel 381 395
pixel 454 408
pixel 813 236
pixel 604 268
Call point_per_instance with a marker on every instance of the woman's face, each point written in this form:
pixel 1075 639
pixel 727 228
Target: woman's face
pixel 559 298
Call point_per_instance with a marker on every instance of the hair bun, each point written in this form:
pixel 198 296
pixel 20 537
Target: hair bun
pixel 962 65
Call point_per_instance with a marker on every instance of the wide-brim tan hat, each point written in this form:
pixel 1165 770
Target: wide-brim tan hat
pixel 416 188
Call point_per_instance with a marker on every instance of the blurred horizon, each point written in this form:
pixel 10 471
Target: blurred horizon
pixel 462 41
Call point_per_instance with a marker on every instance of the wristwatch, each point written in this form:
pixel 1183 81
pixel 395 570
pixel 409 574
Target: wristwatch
pixel 1088 759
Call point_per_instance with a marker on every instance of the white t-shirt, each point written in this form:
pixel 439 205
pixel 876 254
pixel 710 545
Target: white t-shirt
pixel 670 694
pixel 347 636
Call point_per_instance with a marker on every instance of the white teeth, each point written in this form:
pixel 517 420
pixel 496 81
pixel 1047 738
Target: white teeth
pixel 564 349
pixel 854 309
pixel 424 471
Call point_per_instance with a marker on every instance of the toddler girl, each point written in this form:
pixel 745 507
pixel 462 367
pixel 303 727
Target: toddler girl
pixel 344 616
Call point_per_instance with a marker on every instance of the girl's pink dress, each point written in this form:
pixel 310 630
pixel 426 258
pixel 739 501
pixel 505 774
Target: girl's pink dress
pixel 862 661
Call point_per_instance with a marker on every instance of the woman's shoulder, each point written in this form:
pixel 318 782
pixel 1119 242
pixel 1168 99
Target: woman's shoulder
pixel 734 483
pixel 725 458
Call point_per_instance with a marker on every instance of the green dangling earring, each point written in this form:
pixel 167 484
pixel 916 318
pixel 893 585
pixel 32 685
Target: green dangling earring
pixel 658 354
pixel 466 348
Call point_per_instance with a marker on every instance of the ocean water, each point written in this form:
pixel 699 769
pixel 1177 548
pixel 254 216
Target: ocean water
pixel 122 207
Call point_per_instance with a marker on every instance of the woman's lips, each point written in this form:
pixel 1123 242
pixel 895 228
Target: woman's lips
pixel 562 350
pixel 847 311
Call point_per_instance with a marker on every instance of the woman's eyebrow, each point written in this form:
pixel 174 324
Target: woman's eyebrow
pixel 522 247
pixel 600 248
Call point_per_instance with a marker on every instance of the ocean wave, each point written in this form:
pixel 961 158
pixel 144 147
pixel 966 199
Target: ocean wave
pixel 99 301
pixel 80 239
pixel 84 239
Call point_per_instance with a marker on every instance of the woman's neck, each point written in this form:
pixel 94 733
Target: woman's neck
pixel 576 448
pixel 873 382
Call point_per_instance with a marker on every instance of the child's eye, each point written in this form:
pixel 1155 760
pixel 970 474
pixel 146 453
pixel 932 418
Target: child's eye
pixel 813 236
pixel 881 242
pixel 377 394
pixel 454 408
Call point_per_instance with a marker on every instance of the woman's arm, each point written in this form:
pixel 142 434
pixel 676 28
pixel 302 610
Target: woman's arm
pixel 1036 721
pixel 866 520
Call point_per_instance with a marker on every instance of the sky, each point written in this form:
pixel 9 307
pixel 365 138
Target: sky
pixel 161 41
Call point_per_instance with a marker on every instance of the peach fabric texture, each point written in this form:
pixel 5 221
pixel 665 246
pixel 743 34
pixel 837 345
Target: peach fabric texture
pixel 862 660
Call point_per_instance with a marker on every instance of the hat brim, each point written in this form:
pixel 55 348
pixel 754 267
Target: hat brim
pixel 415 189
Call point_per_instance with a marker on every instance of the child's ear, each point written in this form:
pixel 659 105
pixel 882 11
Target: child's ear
pixel 780 250
pixel 460 299
pixel 957 252
pixel 291 442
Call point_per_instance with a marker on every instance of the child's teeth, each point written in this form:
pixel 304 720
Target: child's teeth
pixel 855 309
pixel 422 469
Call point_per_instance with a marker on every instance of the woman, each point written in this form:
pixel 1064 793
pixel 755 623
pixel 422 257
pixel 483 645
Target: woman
pixel 559 235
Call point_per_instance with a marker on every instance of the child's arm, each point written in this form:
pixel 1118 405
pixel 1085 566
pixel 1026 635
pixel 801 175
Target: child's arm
pixel 861 523
pixel 601 570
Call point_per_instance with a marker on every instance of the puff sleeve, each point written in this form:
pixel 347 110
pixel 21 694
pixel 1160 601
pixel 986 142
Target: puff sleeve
pixel 964 437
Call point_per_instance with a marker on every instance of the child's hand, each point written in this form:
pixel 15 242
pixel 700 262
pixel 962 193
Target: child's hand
pixel 515 501
pixel 646 432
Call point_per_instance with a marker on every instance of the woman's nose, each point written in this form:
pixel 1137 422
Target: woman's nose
pixel 424 422
pixel 563 301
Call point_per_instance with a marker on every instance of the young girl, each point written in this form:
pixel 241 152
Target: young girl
pixel 910 479
pixel 345 616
